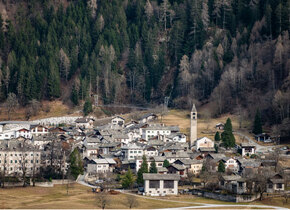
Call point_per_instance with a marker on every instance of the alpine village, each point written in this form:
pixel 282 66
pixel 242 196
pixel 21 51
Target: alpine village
pixel 144 104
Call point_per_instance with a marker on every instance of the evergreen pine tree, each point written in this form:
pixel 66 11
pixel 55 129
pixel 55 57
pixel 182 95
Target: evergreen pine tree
pixel 153 168
pixel 221 167
pixel 88 108
pixel 257 129
pixel 143 169
pixel 76 164
pixel 166 163
pixel 75 96
pixel 217 136
pixel 128 179
pixel 227 136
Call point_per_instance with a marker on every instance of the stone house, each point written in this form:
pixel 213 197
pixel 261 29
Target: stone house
pixel 204 142
pixel 160 184
pixel 276 184
pixel 247 149
pixel 85 123
pixel 233 183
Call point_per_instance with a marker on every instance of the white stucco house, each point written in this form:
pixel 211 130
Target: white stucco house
pixel 204 142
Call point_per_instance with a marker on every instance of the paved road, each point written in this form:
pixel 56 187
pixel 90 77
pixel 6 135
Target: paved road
pixel 259 148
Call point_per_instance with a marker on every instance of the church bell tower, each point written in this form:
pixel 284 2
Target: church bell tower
pixel 193 125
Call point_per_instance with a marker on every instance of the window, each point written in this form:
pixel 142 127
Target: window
pixel 11 161
pixel 154 184
pixel 139 151
pixel 279 185
pixel 15 154
pixel 168 184
pixel 135 151
pixel 31 161
pixel 15 161
pixel 240 184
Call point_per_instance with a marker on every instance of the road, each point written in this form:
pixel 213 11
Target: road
pixel 259 148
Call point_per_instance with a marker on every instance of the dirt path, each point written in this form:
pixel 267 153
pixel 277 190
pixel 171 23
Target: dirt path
pixel 204 205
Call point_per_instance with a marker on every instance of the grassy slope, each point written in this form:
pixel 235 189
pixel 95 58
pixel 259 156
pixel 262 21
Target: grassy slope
pixel 79 197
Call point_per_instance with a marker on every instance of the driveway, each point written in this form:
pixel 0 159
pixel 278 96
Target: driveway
pixel 259 148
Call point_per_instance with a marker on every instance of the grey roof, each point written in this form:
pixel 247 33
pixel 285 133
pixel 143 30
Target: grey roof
pixel 161 169
pixel 158 158
pixel 247 145
pixel 217 156
pixel 148 115
pixel 250 163
pixel 231 178
pixel 178 167
pixel 83 120
pixel 148 176
pixel 207 149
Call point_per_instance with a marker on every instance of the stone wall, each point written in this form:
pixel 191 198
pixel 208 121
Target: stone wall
pixel 226 197
pixel 56 120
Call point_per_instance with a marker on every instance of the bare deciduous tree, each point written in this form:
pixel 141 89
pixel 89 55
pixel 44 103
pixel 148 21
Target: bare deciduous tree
pixel 11 104
pixel 131 201
pixel 102 199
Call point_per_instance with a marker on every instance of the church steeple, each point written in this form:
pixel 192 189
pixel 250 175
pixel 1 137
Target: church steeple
pixel 193 125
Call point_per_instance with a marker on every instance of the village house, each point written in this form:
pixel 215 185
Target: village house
pixel 176 137
pixel 263 137
pixel 179 169
pixel 219 126
pixel 204 143
pixel 247 149
pixel 276 184
pixel 39 130
pixel 154 130
pixel 97 166
pixel 17 157
pixel 86 123
pixel 150 151
pixel 233 183
pixel 148 117
pixel 117 122
pixel 160 184
pixel 24 133
pixel 231 164
pixel 131 151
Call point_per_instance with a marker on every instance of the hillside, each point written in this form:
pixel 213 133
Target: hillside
pixel 232 55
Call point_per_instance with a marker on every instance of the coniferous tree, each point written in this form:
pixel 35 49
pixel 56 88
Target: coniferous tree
pixel 88 108
pixel 166 163
pixel 76 164
pixel 221 167
pixel 143 169
pixel 153 168
pixel 257 128
pixel 227 136
pixel 128 179
pixel 75 96
pixel 217 136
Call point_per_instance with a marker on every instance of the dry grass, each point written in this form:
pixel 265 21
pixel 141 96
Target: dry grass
pixel 205 123
pixel 79 197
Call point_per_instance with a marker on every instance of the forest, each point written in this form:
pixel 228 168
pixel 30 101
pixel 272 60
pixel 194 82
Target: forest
pixel 234 54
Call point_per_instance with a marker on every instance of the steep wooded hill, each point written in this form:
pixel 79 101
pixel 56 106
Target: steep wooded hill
pixel 231 53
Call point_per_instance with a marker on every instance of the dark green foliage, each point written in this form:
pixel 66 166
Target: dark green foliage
pixel 144 63
pixel 75 96
pixel 227 136
pixel 166 163
pixel 153 168
pixel 143 169
pixel 216 147
pixel 257 128
pixel 88 108
pixel 221 167
pixel 76 163
pixel 217 136
pixel 128 179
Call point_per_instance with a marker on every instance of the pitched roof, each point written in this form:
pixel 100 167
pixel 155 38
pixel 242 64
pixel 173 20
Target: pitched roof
pixel 193 108
pixel 148 176
pixel 83 120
